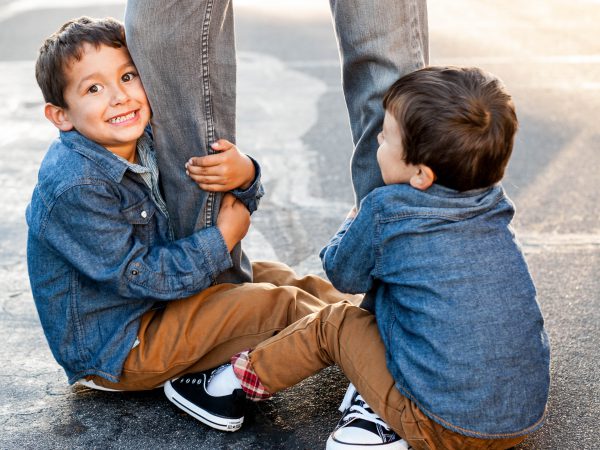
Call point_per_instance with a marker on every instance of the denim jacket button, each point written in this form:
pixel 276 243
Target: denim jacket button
pixel 134 272
pixel 144 214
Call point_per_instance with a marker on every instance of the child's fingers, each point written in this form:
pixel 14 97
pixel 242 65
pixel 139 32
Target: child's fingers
pixel 213 187
pixel 205 161
pixel 221 145
pixel 195 161
pixel 352 213
pixel 204 171
pixel 207 179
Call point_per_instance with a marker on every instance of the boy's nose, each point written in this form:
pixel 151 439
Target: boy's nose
pixel 118 96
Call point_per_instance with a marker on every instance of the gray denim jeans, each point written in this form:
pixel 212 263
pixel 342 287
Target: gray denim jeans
pixel 185 53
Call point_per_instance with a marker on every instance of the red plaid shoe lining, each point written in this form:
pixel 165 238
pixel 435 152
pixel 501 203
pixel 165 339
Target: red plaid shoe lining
pixel 251 385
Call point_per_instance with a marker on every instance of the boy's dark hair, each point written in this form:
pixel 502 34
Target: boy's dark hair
pixel 67 44
pixel 460 122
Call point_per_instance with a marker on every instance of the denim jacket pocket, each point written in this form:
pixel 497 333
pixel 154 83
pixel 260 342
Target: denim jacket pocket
pixel 141 217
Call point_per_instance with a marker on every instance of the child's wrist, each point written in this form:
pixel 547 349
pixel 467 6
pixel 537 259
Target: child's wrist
pixel 226 237
pixel 251 174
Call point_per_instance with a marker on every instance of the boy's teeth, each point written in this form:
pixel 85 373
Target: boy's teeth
pixel 122 118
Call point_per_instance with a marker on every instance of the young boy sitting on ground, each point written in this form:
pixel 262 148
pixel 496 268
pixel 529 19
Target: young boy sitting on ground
pixel 455 355
pixel 123 305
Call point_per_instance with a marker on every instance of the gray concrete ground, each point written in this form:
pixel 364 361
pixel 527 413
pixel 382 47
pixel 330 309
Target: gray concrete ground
pixel 292 118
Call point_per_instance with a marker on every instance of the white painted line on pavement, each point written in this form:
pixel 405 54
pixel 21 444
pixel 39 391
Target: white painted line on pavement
pixel 277 107
pixel 472 60
pixel 558 243
pixel 21 6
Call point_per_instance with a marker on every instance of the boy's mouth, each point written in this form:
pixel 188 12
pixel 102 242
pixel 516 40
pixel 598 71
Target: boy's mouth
pixel 123 118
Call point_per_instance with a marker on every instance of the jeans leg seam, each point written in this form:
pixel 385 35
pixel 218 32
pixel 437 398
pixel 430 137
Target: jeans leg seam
pixel 208 111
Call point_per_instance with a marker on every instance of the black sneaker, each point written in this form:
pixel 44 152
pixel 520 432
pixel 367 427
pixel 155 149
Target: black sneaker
pixel 189 394
pixel 361 428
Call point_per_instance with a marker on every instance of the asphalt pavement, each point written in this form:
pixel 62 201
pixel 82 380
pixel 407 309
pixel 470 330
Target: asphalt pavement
pixel 292 117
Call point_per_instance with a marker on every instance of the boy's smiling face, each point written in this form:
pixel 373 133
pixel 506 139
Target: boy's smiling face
pixel 105 99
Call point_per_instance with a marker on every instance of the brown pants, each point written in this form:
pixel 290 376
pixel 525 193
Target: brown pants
pixel 348 336
pixel 205 330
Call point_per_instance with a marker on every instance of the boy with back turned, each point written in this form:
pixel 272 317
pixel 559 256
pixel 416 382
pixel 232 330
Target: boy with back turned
pixel 455 355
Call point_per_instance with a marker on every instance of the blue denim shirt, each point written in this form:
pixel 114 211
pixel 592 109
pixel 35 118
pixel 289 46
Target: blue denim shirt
pixel 100 254
pixel 454 302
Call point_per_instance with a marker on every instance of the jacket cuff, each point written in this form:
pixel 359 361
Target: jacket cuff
pixel 250 197
pixel 215 251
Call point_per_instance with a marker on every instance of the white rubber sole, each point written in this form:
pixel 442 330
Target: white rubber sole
pixel 90 384
pixel 217 422
pixel 335 445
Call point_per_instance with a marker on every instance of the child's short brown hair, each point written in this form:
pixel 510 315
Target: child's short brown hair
pixel 67 44
pixel 460 122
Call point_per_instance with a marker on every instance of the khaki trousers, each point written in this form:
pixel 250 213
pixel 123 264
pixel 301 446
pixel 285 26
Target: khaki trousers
pixel 206 329
pixel 348 336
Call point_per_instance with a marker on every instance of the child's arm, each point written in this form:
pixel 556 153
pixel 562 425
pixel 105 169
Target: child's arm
pixel 228 170
pixel 349 257
pixel 108 245
pixel 233 220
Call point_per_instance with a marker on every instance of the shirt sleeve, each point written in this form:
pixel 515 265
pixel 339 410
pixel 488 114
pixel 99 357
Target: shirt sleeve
pixel 251 196
pixel 87 228
pixel 349 258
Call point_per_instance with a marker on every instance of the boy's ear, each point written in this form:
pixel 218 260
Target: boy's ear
pixel 423 178
pixel 58 116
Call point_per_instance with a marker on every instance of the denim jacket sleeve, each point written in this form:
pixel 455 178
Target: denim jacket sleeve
pixel 250 197
pixel 349 258
pixel 87 227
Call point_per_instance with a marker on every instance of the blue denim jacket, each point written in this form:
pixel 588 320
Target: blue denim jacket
pixel 100 254
pixel 454 302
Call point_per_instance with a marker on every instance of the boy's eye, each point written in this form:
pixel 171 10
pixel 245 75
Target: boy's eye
pixel 128 76
pixel 94 88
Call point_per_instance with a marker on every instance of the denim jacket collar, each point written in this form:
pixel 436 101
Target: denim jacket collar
pixel 112 166
pixel 438 196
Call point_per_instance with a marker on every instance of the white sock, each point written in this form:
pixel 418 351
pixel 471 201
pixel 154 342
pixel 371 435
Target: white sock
pixel 223 382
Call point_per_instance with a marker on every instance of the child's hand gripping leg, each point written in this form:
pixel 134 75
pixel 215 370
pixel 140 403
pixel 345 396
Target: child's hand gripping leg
pixel 223 171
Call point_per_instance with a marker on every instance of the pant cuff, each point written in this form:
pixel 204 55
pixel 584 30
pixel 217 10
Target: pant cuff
pixel 242 368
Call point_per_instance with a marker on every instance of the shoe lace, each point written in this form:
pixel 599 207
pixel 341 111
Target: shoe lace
pixel 361 410
pixel 192 379
pixel 216 372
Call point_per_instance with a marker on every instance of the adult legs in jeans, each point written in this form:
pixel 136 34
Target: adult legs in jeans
pixel 203 331
pixel 348 336
pixel 379 41
pixel 185 52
